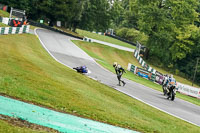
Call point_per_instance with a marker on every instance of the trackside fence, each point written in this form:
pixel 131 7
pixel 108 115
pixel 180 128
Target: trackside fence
pixel 158 78
pixel 14 30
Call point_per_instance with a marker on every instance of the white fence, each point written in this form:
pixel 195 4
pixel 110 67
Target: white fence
pixel 188 90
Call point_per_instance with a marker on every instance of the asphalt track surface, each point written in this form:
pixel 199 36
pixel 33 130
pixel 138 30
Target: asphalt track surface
pixel 63 50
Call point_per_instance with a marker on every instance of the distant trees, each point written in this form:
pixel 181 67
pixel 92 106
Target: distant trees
pixel 96 15
pixel 86 14
pixel 171 27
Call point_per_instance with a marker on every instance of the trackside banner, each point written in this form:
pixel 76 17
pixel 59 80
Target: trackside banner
pixel 188 90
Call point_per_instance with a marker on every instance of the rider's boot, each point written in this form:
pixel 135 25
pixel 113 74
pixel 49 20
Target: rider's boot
pixel 123 83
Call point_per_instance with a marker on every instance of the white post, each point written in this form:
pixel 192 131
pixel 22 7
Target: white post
pixel 10 13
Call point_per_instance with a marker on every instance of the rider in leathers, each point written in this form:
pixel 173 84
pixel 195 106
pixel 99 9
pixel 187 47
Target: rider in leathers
pixel 171 81
pixel 119 71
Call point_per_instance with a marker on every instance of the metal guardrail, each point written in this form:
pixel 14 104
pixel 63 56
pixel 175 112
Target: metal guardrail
pixel 31 22
pixel 121 39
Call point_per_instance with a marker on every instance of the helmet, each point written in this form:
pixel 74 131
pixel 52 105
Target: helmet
pixel 114 64
pixel 171 76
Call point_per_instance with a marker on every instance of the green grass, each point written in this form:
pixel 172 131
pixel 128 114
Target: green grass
pixel 30 74
pixel 109 55
pixel 103 38
pixel 114 41
pixel 69 31
pixel 33 27
pixel 4 13
pixel 6 127
pixel 3 25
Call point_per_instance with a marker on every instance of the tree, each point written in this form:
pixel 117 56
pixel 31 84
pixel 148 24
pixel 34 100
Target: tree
pixel 165 22
pixel 96 15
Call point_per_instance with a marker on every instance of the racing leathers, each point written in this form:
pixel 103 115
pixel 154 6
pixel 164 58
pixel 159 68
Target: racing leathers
pixel 119 71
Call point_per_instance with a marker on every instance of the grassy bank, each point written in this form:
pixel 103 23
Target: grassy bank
pixel 108 55
pixel 4 13
pixel 103 38
pixel 3 25
pixel 69 31
pixel 30 74
pixel 6 127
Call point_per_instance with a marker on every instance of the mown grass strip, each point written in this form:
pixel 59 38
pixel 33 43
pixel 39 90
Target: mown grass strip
pixel 30 74
pixel 3 25
pixel 104 38
pixel 4 14
pixel 109 55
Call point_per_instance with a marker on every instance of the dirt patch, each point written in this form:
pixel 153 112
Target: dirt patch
pixel 24 124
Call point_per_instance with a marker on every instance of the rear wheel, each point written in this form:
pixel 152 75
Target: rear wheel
pixel 172 95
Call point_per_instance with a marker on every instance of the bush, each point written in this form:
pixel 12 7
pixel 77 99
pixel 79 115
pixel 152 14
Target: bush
pixel 132 35
pixel 122 32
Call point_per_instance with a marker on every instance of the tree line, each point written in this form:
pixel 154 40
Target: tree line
pixel 84 14
pixel 169 28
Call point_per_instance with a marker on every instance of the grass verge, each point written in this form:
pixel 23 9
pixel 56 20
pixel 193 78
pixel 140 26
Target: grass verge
pixel 9 127
pixel 30 74
pixel 108 55
pixel 33 27
pixel 69 31
pixel 3 25
pixel 4 13
pixel 104 38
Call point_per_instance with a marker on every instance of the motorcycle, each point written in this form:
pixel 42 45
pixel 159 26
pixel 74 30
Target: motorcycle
pixel 82 69
pixel 172 91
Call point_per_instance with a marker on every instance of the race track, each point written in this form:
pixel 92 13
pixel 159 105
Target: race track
pixel 61 48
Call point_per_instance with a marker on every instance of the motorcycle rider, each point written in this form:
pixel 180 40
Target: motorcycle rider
pixel 81 69
pixel 166 77
pixel 171 81
pixel 119 71
pixel 164 83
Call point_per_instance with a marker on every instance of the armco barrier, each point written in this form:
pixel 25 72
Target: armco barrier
pixel 14 30
pixel 141 72
pixel 132 68
pixel 143 63
pixel 121 39
pixel 158 78
pixel 52 29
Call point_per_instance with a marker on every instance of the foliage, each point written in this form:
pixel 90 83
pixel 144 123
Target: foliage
pixel 132 35
pixel 96 15
pixel 170 27
pixel 86 14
